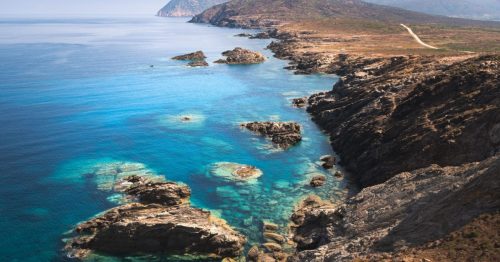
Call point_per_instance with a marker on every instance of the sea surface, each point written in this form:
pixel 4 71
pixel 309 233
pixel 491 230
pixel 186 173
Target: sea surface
pixel 82 95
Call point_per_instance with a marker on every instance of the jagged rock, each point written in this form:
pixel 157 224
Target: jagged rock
pixel 393 120
pixel 241 56
pixel 160 193
pixel 338 174
pixel 198 63
pixel 136 228
pixel 283 134
pixel 408 210
pixel 299 102
pixel 318 181
pixel 198 55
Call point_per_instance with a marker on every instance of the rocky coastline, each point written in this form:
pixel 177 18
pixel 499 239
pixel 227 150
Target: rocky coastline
pixel 418 133
pixel 157 219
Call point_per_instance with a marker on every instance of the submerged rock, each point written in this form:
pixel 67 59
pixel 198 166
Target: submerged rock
pixel 136 228
pixel 283 134
pixel 198 55
pixel 235 172
pixel 241 56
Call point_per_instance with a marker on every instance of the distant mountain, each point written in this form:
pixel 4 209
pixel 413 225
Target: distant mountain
pixel 187 7
pixel 258 13
pixel 478 9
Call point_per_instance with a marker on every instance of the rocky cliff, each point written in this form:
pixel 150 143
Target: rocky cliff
pixel 187 7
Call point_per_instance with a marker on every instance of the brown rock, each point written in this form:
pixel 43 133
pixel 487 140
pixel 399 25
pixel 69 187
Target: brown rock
pixel 299 102
pixel 198 63
pixel 166 193
pixel 318 181
pixel 328 161
pixel 274 237
pixel 241 56
pixel 198 55
pixel 283 134
pixel 137 228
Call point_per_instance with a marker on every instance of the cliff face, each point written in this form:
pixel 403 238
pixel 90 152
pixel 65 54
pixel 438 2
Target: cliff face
pixel 392 115
pixel 187 7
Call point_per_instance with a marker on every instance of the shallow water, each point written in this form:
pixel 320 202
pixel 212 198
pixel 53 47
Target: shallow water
pixel 80 93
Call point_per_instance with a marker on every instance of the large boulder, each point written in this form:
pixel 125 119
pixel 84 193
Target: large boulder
pixel 239 56
pixel 283 134
pixel 138 228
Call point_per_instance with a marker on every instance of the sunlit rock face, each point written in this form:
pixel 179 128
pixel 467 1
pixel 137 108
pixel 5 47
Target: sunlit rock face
pixel 179 8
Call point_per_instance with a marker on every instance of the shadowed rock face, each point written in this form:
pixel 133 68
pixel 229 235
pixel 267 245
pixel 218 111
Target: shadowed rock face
pixel 283 134
pixel 160 193
pixel 240 56
pixel 386 116
pixel 153 228
pixel 409 210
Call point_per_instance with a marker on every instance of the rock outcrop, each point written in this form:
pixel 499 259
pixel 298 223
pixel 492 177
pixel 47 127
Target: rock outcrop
pixel 410 210
pixel 187 7
pixel 162 222
pixel 282 134
pixel 136 228
pixel 197 59
pixel 198 55
pixel 240 56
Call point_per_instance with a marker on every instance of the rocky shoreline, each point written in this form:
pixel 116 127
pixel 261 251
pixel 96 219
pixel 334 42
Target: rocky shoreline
pixel 419 133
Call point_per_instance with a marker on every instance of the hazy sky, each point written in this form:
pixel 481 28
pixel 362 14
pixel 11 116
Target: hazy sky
pixel 83 7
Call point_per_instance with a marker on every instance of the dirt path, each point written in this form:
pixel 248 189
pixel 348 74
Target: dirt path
pixel 418 38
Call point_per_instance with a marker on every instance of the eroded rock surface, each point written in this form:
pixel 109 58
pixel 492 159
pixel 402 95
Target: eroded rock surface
pixel 134 228
pixel 409 210
pixel 283 134
pixel 162 222
pixel 386 116
pixel 240 56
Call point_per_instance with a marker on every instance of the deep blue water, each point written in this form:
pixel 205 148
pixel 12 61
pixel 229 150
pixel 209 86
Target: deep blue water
pixel 79 93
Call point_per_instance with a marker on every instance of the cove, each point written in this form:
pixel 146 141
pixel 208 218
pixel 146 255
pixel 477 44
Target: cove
pixel 80 94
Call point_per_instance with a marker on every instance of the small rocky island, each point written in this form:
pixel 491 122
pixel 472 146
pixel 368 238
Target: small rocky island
pixel 282 134
pixel 196 59
pixel 161 221
pixel 240 56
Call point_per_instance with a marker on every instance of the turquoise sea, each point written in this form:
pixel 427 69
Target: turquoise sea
pixel 80 94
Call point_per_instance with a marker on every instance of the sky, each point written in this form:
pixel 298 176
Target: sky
pixel 80 7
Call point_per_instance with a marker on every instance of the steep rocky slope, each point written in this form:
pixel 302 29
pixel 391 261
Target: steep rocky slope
pixel 481 9
pixel 387 116
pixel 412 210
pixel 187 7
